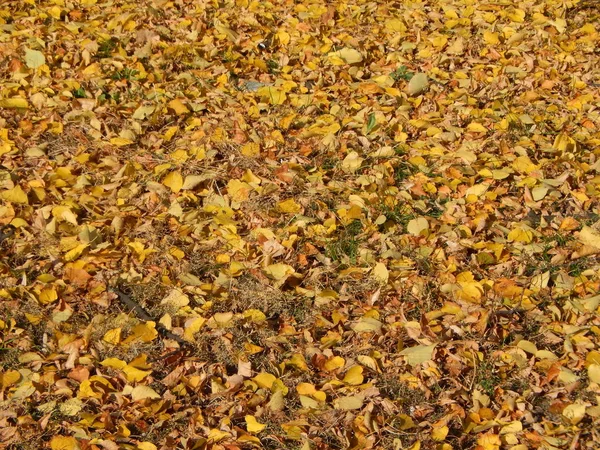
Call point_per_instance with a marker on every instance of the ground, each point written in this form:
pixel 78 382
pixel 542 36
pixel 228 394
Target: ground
pixel 299 225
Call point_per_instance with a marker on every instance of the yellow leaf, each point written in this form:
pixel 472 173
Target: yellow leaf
pixel 440 433
pixel 491 38
pixel 133 374
pixel 574 413
pixel 289 206
pixel 527 346
pixel 306 389
pixel 253 426
pixel 334 363
pixel 215 435
pixel 592 357
pixel 64 443
pixel 94 387
pixel 347 55
pixel 24 391
pixel 63 213
pixel 348 403
pixel 367 324
pixel 417 226
pixel 191 181
pixel 564 143
pixel 33 319
pixel 221 319
pixel 10 377
pixel 114 363
pixel 539 192
pixel 140 250
pixel 405 422
pixel 146 446
pixel 192 327
pixel 369 362
pixel 177 253
pixel 566 376
pixel 520 234
pixel 516 15
pixel 34 58
pixel 589 236
pixel 144 332
pixel 418 354
pixel 594 373
pixel 308 402
pixel 179 156
pixel 284 37
pixel 15 195
pixel 238 190
pixel 178 106
pixel 174 181
pixel 489 442
pixel 252 349
pixel 513 427
pixel 500 174
pixel 48 295
pixel 476 128
pixel 381 273
pixel 75 253
pixel 272 95
pixel 279 271
pixel 351 162
pixel 395 25
pixel 250 149
pixel 176 299
pixel 55 12
pixel 123 430
pixel 470 289
pixel 92 69
pixel 320 396
pixel 143 112
pixel 354 376
pixel 264 380
pixel 318 130
pixel 523 165
pixel 14 103
pixel 143 392
pixel 232 35
pixel 477 190
pixel 120 142
pixel 71 407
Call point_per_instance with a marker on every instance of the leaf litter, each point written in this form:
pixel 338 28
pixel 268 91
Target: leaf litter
pixel 299 225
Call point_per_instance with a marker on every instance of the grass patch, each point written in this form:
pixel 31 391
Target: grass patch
pixel 125 74
pixel 107 47
pixel 346 246
pixel 402 73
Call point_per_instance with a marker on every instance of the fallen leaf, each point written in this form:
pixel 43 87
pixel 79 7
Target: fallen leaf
pixel 417 226
pixel 348 403
pixel 15 195
pixel 253 426
pixel 347 55
pixel 174 181
pixel 64 443
pixel 418 84
pixel 143 392
pixel 14 103
pixel 354 376
pixel 380 273
pixel 574 413
pixel 351 162
pixel 418 354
